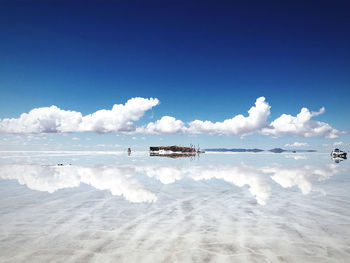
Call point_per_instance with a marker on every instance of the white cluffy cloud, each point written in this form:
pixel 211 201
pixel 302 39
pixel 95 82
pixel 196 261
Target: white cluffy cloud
pixel 297 144
pixel 301 125
pixel 54 120
pixel 166 125
pixel 122 117
pixel 256 122
pixel 338 143
pixel 238 125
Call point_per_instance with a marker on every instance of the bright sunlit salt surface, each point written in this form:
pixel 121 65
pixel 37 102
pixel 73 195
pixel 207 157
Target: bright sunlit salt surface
pixel 110 207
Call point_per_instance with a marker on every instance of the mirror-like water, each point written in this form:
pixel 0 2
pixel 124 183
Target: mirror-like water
pixel 110 207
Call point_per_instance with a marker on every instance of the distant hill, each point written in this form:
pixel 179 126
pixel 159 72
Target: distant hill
pixel 232 150
pixel 302 151
pixel 255 150
pixel 277 150
pixel 280 150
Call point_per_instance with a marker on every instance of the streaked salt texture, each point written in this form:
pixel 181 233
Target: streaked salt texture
pixel 218 208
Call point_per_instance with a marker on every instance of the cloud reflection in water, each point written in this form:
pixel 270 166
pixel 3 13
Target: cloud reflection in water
pixel 122 180
pixel 118 180
pixel 302 176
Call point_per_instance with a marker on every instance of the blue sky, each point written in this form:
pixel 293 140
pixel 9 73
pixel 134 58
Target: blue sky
pixel 202 60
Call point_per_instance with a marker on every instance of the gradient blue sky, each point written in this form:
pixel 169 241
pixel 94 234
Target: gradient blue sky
pixel 206 60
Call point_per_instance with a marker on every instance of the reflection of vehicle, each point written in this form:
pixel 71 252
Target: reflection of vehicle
pixel 338 153
pixel 338 159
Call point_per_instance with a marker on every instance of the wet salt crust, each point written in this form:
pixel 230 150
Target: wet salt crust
pixel 107 207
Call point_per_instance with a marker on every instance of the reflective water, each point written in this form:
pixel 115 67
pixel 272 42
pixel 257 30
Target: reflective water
pixel 110 207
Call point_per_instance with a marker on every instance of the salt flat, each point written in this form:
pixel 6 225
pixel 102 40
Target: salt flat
pixel 110 207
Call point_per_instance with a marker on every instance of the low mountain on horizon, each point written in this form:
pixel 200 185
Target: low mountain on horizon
pixel 274 150
pixel 233 150
pixel 277 150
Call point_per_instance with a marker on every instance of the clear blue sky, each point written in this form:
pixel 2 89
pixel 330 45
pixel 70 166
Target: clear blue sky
pixel 206 60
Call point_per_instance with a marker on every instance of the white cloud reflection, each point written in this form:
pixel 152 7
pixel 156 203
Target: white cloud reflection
pixel 118 180
pixel 302 176
pixel 241 175
pixel 122 180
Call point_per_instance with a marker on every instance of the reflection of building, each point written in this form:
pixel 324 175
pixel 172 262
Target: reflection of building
pixel 172 155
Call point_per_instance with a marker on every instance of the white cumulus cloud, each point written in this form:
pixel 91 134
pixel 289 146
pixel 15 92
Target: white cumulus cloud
pixel 297 144
pixel 338 143
pixel 54 120
pixel 166 125
pixel 301 125
pixel 42 120
pixel 122 117
pixel 238 125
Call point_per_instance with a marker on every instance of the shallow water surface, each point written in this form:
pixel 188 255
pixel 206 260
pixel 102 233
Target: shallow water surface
pixel 110 207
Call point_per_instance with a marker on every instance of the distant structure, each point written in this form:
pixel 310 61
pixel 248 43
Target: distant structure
pixel 174 149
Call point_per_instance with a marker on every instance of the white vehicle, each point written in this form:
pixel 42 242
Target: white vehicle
pixel 338 153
